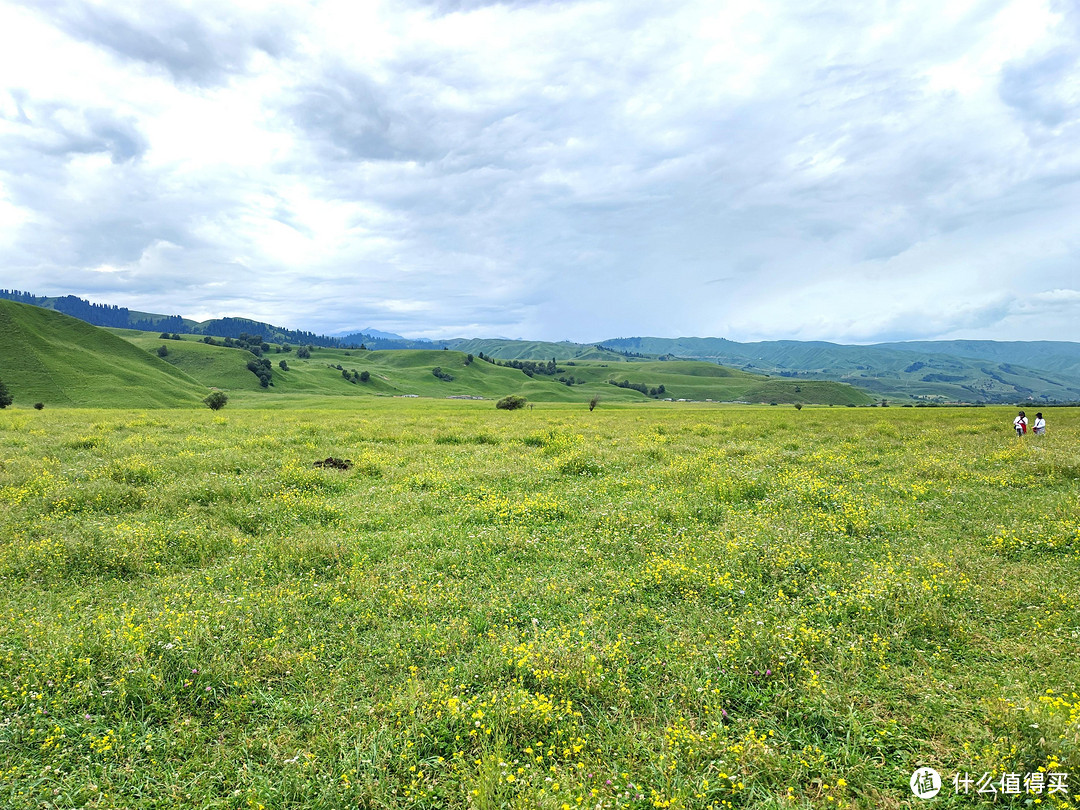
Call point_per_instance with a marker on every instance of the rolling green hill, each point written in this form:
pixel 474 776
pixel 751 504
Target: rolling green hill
pixel 982 371
pixel 965 371
pixel 212 366
pixel 52 358
pixel 392 372
pixel 410 372
pixel 48 357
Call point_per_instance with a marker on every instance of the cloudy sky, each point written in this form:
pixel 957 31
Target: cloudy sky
pixel 552 170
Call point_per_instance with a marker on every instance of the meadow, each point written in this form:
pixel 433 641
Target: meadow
pixel 658 605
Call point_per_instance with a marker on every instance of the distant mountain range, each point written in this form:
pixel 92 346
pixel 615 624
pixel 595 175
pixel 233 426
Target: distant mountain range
pixel 369 333
pixel 977 371
pixel 948 370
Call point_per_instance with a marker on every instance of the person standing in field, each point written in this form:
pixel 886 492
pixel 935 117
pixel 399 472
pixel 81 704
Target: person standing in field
pixel 1039 426
pixel 1020 424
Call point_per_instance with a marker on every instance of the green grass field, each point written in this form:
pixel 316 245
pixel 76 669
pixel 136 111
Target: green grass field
pixel 661 606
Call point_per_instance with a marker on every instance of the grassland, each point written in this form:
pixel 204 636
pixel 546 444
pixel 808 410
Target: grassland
pixel 672 606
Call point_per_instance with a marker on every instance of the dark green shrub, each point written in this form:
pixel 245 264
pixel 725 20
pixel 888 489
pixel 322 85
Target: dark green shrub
pixel 283 365
pixel 39 406
pixel 162 351
pixel 365 376
pixel 5 397
pixel 510 403
pixel 261 369
pixel 216 400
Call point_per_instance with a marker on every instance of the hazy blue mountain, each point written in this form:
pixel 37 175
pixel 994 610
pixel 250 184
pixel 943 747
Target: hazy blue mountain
pixel 1048 355
pixel 367 332
pixel 924 370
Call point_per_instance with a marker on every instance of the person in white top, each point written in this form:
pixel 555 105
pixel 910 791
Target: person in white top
pixel 1040 425
pixel 1020 424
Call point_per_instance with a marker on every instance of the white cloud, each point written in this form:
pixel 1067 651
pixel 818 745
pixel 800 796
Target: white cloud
pixel 549 169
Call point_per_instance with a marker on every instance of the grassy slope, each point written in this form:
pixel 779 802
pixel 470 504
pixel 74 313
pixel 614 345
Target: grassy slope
pixel 213 366
pixel 393 373
pixel 402 372
pixel 700 381
pixel 48 357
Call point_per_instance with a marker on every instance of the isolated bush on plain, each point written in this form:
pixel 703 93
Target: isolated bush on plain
pixel 510 403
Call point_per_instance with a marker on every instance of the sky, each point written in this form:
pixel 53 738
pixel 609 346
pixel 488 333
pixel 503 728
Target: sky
pixel 777 169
